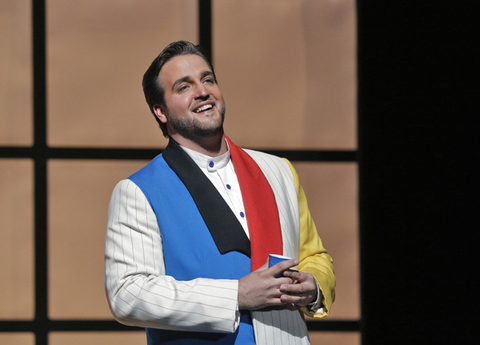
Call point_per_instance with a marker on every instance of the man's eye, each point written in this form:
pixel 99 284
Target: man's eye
pixel 182 88
pixel 209 80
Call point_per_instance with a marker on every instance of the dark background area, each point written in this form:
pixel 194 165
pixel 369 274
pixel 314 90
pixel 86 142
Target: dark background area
pixel 419 176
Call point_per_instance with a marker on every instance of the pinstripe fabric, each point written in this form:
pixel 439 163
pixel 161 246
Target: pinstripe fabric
pixel 138 291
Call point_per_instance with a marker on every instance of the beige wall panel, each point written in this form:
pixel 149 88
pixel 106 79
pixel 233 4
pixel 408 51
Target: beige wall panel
pixel 97 338
pixel 331 190
pixel 78 197
pixel 17 339
pixel 16 73
pixel 330 338
pixel 288 72
pixel 16 240
pixel 97 55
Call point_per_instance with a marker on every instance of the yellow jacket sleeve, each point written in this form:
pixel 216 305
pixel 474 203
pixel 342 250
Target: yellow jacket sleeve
pixel 313 257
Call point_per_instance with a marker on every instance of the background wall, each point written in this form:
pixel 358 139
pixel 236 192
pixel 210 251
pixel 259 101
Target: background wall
pixel 288 73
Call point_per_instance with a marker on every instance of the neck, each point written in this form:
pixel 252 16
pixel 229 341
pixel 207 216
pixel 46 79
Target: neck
pixel 213 146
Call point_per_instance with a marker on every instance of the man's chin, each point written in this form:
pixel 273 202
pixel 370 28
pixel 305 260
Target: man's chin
pixel 208 133
pixel 199 132
pixel 198 128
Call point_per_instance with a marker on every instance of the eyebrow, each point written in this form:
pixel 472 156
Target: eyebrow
pixel 187 78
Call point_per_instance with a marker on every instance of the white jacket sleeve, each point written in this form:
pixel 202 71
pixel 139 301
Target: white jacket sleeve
pixel 138 291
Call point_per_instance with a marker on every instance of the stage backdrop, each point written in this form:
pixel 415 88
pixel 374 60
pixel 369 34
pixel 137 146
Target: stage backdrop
pixel 287 69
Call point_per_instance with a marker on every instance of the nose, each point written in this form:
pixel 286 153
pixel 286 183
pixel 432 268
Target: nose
pixel 202 91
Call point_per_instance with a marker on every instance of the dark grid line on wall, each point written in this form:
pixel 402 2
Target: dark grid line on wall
pixel 40 171
pixel 40 153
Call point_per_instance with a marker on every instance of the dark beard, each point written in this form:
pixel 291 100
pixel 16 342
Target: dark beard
pixel 192 129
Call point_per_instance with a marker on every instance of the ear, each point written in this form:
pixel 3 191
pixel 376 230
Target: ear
pixel 160 112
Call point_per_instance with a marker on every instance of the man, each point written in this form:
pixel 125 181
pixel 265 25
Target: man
pixel 189 235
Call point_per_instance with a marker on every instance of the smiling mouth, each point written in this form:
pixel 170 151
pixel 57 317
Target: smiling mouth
pixel 204 108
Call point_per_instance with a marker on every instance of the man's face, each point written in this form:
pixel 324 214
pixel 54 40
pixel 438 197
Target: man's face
pixel 194 104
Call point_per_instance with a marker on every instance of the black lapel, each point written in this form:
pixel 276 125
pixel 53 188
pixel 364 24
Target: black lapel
pixel 226 230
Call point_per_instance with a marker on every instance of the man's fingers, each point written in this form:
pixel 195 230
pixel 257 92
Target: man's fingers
pixel 304 283
pixel 300 301
pixel 293 288
pixel 282 267
pixel 295 275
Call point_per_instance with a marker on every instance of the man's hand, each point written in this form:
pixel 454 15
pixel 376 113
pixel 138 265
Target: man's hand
pixel 302 291
pixel 261 289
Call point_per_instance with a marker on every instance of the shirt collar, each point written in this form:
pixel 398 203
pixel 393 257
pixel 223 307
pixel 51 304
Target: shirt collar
pixel 204 161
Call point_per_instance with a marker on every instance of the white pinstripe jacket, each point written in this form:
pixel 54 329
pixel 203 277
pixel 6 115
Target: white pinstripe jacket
pixel 140 294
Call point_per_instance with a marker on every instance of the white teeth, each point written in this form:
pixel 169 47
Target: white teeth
pixel 205 107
